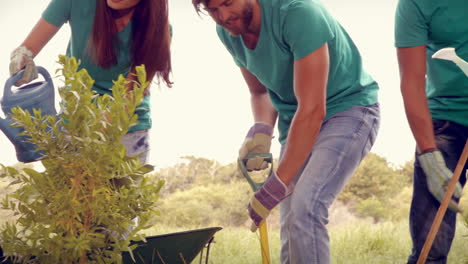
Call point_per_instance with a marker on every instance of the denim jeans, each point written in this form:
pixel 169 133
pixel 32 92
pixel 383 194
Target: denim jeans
pixel 450 140
pixel 344 140
pixel 137 143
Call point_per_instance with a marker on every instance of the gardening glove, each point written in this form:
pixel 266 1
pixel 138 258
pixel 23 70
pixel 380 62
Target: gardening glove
pixel 266 198
pixel 258 140
pixel 21 58
pixel 463 204
pixel 438 176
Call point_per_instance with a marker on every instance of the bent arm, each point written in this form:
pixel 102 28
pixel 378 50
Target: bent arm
pixel 39 36
pixel 412 63
pixel 310 83
pixel 262 108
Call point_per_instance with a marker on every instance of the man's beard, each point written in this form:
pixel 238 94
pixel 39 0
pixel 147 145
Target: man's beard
pixel 246 19
pixel 247 16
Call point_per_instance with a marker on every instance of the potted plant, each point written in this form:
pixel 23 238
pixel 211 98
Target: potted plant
pixel 79 209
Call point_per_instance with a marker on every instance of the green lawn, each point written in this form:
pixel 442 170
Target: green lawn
pixel 356 243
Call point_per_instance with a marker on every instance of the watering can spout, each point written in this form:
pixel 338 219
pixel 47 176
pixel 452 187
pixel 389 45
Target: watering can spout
pixel 25 151
pixel 4 125
pixel 38 95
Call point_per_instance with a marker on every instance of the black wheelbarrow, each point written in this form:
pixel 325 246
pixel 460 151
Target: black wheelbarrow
pixel 173 248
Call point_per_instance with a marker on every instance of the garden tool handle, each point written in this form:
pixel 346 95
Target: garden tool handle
pixel 16 77
pixel 443 206
pixel 268 157
pixel 264 245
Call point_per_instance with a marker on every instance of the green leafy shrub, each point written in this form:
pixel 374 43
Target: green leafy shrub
pixel 212 204
pixel 80 208
pixel 371 207
pixel 193 171
pixel 373 178
pixel 398 207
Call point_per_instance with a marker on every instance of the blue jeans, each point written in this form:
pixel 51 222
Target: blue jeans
pixel 450 139
pixel 344 140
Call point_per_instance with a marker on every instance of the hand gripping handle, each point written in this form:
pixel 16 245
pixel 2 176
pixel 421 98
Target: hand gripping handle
pixel 242 163
pixel 13 79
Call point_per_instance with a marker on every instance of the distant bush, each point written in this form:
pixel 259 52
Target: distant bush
pixel 212 204
pixel 399 205
pixel 193 171
pixel 373 178
pixel 373 208
pixel 200 191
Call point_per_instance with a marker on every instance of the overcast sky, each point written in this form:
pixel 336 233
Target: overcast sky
pixel 207 112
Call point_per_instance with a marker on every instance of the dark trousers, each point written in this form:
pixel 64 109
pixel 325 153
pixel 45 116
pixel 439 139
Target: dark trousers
pixel 450 140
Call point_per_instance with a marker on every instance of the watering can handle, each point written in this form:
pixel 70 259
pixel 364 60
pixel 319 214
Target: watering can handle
pixel 242 162
pixel 13 79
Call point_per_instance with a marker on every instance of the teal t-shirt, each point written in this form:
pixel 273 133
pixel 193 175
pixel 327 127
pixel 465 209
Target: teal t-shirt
pixel 291 30
pixel 80 15
pixel 438 24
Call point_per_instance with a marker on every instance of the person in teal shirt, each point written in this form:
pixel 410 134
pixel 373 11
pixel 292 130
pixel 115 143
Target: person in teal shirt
pixel 304 72
pixel 109 38
pixel 435 94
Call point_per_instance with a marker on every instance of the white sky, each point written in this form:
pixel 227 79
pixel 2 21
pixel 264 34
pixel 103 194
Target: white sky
pixel 207 112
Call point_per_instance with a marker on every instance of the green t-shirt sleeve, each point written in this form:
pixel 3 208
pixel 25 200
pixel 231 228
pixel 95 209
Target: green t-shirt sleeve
pixel 306 28
pixel 411 28
pixel 57 12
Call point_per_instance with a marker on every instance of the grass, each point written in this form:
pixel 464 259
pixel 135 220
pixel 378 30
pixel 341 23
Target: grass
pixel 354 243
pixel 358 242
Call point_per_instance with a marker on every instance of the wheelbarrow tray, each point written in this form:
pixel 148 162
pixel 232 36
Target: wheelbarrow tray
pixel 173 248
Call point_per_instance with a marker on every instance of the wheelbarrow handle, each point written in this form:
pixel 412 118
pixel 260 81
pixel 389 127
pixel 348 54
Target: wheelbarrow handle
pixel 268 157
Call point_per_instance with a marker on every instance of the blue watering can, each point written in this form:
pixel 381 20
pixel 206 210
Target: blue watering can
pixel 38 95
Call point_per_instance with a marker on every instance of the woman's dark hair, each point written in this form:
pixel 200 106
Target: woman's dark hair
pixel 198 3
pixel 150 43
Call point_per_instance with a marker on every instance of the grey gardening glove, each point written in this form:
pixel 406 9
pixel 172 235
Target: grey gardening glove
pixel 258 140
pixel 463 204
pixel 438 176
pixel 21 58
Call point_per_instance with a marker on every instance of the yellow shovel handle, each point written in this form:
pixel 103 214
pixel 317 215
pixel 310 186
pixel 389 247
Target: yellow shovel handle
pixel 264 242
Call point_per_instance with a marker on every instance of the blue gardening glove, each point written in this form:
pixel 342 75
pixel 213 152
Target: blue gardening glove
pixel 21 58
pixel 266 198
pixel 438 176
pixel 258 140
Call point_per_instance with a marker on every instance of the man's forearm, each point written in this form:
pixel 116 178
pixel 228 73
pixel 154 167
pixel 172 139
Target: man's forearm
pixel 417 113
pixel 412 64
pixel 262 109
pixel 302 135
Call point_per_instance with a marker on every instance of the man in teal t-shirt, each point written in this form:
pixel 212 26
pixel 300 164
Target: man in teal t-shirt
pixel 435 94
pixel 303 70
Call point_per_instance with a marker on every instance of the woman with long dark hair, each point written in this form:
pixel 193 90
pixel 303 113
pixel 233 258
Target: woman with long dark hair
pixel 109 37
